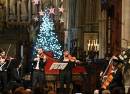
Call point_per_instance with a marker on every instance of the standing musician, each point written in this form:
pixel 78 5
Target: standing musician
pixel 66 74
pixel 38 68
pixel 3 70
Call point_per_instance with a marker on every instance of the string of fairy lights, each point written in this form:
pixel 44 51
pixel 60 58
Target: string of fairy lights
pixel 46 37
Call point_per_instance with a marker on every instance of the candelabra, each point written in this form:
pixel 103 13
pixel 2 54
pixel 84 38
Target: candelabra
pixel 93 49
pixel 93 45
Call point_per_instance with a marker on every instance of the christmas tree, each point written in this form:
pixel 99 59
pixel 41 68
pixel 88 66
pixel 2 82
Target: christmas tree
pixel 47 38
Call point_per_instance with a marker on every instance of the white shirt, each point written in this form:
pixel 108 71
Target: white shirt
pixel 37 66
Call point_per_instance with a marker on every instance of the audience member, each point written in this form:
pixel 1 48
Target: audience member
pixel 128 91
pixel 38 90
pixel 96 91
pixel 106 92
pixel 29 91
pixel 20 90
pixel 118 90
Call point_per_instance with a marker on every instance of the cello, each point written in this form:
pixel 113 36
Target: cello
pixel 107 76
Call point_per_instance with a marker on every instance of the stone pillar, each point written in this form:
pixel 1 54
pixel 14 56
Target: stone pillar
pixel 66 23
pixel 125 23
pixel 126 36
pixel 12 7
pixel 102 34
pixel 29 10
pixel 24 7
pixel 18 10
pixel 70 20
pixel 7 10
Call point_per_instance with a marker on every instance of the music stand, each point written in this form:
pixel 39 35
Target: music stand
pixel 59 66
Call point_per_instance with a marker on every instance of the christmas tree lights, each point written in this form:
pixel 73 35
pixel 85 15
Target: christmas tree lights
pixel 47 38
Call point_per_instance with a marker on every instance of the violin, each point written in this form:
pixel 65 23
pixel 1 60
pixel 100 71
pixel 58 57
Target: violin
pixel 69 57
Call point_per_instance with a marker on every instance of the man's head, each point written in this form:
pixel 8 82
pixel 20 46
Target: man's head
pixel 39 50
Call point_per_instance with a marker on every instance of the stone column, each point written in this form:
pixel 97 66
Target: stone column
pixel 12 7
pixel 102 34
pixel 29 10
pixel 66 24
pixel 24 7
pixel 126 36
pixel 125 23
pixel 7 10
pixel 18 10
pixel 68 15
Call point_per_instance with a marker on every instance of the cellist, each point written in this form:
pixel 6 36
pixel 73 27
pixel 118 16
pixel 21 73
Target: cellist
pixel 113 75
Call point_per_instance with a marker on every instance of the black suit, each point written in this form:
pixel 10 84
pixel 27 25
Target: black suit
pixel 117 80
pixel 38 74
pixel 3 76
pixel 66 77
pixel 16 75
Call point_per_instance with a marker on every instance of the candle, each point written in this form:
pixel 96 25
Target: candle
pixel 89 45
pixel 97 47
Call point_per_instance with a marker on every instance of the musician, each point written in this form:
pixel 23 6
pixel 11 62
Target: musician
pixel 66 74
pixel 3 70
pixel 38 68
pixel 113 77
pixel 117 80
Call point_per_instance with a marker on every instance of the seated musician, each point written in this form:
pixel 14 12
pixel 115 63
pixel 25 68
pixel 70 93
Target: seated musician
pixel 113 77
pixel 38 68
pixel 117 80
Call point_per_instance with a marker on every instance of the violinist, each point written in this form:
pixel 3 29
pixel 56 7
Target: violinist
pixel 3 70
pixel 66 74
pixel 38 68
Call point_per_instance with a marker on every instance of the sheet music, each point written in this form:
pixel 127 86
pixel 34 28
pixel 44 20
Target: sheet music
pixel 59 66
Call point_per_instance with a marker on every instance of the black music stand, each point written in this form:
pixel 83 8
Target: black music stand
pixel 58 66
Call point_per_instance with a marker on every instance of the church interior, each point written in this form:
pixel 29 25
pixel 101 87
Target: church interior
pixel 94 32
